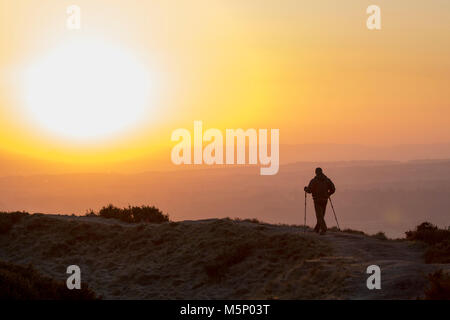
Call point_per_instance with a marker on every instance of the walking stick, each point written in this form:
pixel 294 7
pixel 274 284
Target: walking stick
pixel 304 226
pixel 332 207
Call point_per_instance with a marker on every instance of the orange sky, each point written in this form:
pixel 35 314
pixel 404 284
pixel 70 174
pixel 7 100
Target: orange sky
pixel 309 68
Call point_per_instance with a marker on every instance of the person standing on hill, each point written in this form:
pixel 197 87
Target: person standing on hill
pixel 321 188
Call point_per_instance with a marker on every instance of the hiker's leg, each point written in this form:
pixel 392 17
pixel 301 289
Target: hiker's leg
pixel 317 227
pixel 318 210
pixel 322 224
pixel 324 227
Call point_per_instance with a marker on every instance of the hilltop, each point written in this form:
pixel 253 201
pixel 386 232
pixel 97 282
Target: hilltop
pixel 215 259
pixel 371 196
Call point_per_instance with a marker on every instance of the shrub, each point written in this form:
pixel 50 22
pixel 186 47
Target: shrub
pixel 25 283
pixel 9 219
pixel 439 287
pixel 429 234
pixel 438 241
pixel 132 214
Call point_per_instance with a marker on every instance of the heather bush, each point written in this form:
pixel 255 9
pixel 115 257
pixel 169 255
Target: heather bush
pixel 148 214
pixel 437 240
pixel 429 234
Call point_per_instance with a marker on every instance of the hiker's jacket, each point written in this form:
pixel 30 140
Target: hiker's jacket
pixel 321 187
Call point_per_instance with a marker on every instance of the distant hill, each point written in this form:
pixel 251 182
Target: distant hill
pixel 20 164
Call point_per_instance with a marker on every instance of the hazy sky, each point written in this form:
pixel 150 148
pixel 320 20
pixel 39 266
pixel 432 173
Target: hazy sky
pixel 309 68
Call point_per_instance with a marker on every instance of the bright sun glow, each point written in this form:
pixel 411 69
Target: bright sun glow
pixel 87 89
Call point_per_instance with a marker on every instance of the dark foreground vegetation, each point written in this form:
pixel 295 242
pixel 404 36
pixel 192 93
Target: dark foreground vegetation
pixel 439 286
pixel 149 214
pixel 9 219
pixel 437 241
pixel 438 251
pixel 25 283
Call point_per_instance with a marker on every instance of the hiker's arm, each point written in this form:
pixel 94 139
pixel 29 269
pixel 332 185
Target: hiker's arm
pixel 308 188
pixel 331 188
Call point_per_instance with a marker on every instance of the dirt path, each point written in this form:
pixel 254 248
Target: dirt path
pixel 403 271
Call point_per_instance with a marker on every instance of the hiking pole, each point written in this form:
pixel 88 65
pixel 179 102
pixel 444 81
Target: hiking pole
pixel 304 226
pixel 332 207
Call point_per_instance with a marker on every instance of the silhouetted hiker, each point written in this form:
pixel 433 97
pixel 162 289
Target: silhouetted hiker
pixel 321 188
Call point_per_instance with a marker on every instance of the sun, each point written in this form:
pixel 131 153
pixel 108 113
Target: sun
pixel 87 89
